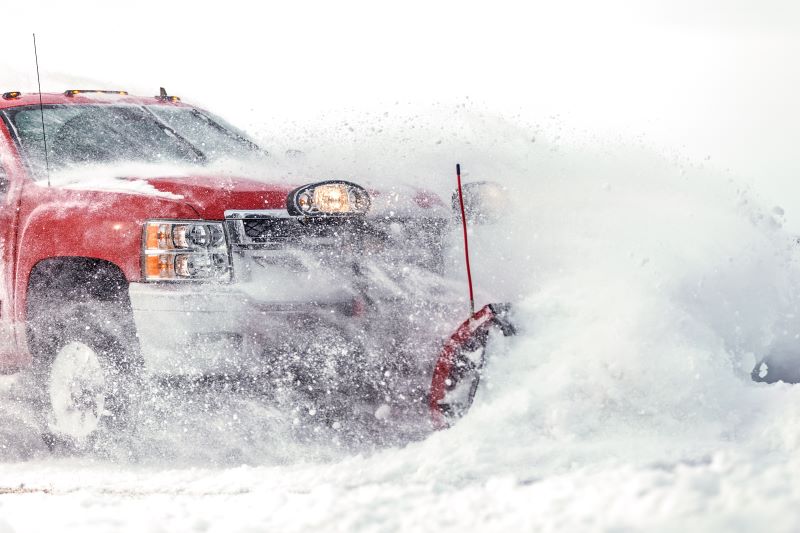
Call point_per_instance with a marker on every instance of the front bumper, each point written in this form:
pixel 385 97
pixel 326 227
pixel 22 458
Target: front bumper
pixel 336 302
pixel 198 331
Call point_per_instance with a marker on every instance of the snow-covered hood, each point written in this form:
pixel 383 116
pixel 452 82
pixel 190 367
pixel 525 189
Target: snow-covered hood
pixel 211 196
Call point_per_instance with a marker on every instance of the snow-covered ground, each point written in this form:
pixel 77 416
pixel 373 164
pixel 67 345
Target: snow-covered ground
pixel 648 281
pixel 646 286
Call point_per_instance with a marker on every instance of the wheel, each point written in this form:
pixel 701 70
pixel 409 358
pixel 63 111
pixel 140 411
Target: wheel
pixel 86 367
pixel 85 381
pixel 76 392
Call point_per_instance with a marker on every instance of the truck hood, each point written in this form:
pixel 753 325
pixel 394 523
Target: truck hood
pixel 211 196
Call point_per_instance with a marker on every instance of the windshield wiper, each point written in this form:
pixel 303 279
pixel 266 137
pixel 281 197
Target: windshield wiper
pixel 232 134
pixel 171 131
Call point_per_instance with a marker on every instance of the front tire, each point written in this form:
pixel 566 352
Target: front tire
pixel 76 393
pixel 86 380
pixel 86 366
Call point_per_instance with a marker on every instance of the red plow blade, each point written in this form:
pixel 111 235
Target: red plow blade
pixel 458 370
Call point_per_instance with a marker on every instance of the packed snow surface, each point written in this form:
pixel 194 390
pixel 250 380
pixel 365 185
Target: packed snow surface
pixel 646 287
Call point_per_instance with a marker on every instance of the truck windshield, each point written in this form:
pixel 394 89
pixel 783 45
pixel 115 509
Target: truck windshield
pixel 101 134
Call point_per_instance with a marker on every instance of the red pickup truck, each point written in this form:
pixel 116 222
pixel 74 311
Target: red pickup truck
pixel 133 248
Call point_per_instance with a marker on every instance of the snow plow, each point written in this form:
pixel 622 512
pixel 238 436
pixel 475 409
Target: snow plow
pixel 457 373
pixel 133 255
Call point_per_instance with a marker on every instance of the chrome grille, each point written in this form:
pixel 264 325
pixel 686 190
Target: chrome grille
pixel 269 230
pixel 389 239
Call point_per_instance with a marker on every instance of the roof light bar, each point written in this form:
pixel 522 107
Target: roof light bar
pixel 12 95
pixel 73 92
pixel 163 96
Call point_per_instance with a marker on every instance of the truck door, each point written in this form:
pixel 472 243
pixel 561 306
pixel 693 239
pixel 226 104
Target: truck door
pixel 10 358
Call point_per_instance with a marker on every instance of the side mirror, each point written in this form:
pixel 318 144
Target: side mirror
pixel 484 201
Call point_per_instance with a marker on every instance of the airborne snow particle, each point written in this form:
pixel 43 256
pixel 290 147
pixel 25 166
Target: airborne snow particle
pixel 383 412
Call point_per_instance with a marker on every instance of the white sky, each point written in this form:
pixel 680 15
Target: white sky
pixel 714 78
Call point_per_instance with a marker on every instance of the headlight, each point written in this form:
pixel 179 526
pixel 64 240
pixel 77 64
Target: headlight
pixel 329 198
pixel 185 250
pixel 484 201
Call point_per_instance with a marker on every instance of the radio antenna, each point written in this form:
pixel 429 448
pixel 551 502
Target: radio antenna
pixel 466 240
pixel 41 111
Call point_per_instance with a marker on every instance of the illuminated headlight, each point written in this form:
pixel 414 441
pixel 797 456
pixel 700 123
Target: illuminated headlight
pixel 185 251
pixel 484 201
pixel 329 198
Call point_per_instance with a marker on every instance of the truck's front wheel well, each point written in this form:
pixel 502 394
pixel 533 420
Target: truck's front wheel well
pixel 64 288
pixel 77 278
pixel 86 362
